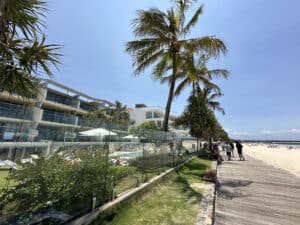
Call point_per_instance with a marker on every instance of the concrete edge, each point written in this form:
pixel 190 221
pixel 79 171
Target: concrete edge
pixel 206 213
pixel 216 193
pixel 91 216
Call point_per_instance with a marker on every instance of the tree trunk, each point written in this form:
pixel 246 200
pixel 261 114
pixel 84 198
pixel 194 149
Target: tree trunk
pixel 171 93
pixel 3 16
pixel 194 91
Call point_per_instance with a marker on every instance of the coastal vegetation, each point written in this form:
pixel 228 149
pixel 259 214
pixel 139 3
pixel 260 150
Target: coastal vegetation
pixel 200 118
pixel 67 181
pixel 24 54
pixel 173 201
pixel 161 42
pixel 104 117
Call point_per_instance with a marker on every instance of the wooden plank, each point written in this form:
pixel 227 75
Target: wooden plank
pixel 253 192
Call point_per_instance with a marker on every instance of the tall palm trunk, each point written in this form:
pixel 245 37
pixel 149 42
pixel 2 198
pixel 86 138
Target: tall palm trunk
pixel 3 17
pixel 194 89
pixel 171 92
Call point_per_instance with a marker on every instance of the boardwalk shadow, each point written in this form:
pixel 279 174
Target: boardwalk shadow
pixel 226 188
pixel 237 183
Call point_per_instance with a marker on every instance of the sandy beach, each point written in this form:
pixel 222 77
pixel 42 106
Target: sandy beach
pixel 280 156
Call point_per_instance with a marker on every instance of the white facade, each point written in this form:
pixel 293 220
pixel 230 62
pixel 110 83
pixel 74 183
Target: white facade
pixel 147 114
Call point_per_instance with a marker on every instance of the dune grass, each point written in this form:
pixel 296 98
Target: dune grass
pixel 173 201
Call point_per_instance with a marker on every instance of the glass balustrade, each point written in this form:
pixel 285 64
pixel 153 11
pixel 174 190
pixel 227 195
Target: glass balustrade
pixel 53 116
pixel 61 99
pixel 15 111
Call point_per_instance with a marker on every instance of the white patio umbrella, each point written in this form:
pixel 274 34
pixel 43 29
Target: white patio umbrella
pixel 130 137
pixel 97 132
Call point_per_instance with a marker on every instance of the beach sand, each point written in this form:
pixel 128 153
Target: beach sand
pixel 281 156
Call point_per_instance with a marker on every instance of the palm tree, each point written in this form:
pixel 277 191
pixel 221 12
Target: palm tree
pixel 161 37
pixel 24 58
pixel 196 74
pixel 120 113
pixel 210 95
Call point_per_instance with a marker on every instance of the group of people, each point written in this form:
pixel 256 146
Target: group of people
pixel 227 148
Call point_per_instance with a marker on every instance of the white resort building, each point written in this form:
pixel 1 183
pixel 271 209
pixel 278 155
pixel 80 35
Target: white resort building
pixel 142 113
pixel 39 124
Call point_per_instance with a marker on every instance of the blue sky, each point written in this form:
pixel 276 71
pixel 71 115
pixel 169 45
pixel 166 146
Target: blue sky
pixel 263 38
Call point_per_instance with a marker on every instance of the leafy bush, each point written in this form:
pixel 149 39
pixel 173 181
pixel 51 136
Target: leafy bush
pixel 64 185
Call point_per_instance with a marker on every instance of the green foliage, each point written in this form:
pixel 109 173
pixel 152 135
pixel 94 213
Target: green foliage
pixel 200 119
pixel 104 117
pixel 149 125
pixel 120 113
pixel 161 42
pixel 24 57
pixel 63 184
pixel 175 200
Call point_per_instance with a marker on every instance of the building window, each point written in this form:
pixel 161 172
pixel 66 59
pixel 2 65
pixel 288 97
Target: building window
pixel 156 115
pixel 148 115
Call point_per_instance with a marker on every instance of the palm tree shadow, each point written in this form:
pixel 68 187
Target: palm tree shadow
pixel 187 189
pixel 229 189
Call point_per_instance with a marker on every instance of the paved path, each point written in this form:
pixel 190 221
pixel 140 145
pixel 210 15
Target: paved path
pixel 254 193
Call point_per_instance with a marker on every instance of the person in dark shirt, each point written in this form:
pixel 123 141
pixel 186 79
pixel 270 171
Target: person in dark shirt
pixel 232 148
pixel 239 148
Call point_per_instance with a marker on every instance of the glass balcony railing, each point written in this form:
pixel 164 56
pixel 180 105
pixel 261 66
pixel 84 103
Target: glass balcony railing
pixel 87 107
pixel 15 111
pixel 58 117
pixel 61 99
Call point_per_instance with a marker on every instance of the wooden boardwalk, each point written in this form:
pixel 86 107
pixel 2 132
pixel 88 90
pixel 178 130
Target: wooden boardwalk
pixel 254 193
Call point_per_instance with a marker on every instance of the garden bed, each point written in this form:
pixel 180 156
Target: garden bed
pixel 176 200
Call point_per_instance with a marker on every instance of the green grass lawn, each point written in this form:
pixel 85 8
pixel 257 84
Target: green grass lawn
pixel 3 175
pixel 173 201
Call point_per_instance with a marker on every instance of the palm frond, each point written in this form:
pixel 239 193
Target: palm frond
pixel 133 46
pixel 210 45
pixel 181 86
pixel 141 66
pixel 218 73
pixel 216 106
pixel 162 66
pixel 27 16
pixel 150 23
pixel 14 81
pixel 192 21
pixel 166 79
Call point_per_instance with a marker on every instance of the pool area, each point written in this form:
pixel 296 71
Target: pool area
pixel 129 155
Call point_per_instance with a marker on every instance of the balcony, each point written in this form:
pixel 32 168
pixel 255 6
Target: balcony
pixel 15 111
pixel 58 117
pixel 53 97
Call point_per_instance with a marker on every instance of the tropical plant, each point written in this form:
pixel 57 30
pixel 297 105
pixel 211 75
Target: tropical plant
pixel 195 72
pixel 120 113
pixel 160 39
pixel 197 117
pixel 200 118
pixel 24 55
pixel 210 95
pixel 104 117
pixel 151 125
pixel 66 185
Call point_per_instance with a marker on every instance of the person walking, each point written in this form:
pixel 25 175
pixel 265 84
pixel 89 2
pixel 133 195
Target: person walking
pixel 232 148
pixel 228 150
pixel 218 148
pixel 239 148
